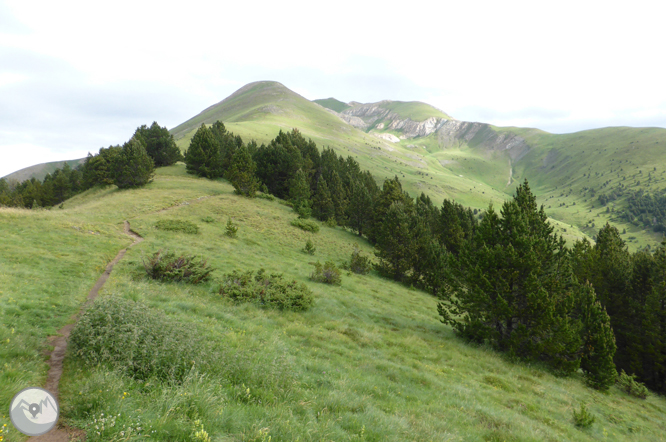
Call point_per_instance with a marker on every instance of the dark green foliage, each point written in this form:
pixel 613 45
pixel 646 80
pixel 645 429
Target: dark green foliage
pixel 327 273
pixel 159 143
pixel 166 266
pixel 359 263
pixel 277 164
pixel 231 230
pixel 135 340
pixel 241 173
pixel 359 210
pixel 176 225
pixel 132 167
pixel 322 204
pixel 514 288
pixel 307 225
pixel 309 248
pixel 598 341
pixel 629 385
pixel 299 194
pixel 270 291
pixel 395 239
pixel 582 418
pixel 203 155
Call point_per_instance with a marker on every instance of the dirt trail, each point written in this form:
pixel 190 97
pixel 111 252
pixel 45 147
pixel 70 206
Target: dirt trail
pixel 59 343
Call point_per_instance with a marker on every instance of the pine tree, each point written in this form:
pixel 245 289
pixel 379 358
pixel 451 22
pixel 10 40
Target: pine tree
pixel 395 242
pixel 132 167
pixel 359 210
pixel 160 144
pixel 299 194
pixel 513 286
pixel 598 341
pixel 339 197
pixel 322 203
pixel 241 173
pixel 203 156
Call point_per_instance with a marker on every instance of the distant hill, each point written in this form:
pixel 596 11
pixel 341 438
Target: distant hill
pixel 39 171
pixel 332 104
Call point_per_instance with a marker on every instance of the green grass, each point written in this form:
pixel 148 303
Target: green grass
pixel 414 110
pixel 369 361
pixel 333 104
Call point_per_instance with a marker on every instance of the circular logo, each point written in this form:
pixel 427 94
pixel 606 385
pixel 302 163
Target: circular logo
pixel 34 411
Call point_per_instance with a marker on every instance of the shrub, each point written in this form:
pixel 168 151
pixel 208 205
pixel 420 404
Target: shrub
pixel 307 225
pixel 175 225
pixel 358 263
pixel 208 219
pixel 582 418
pixel 231 229
pixel 631 386
pixel 331 222
pixel 326 273
pixel 266 196
pixel 266 290
pixel 135 340
pixel 166 266
pixel 309 248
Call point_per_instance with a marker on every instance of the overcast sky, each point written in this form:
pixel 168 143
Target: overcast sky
pixel 79 75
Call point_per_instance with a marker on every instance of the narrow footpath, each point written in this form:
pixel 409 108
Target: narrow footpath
pixel 59 344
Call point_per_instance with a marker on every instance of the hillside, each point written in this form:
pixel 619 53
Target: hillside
pixel 39 171
pixel 473 163
pixel 370 360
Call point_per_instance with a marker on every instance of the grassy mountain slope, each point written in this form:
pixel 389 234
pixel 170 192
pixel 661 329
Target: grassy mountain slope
pixel 39 171
pixel 370 361
pixel 259 110
pixel 466 166
pixel 332 103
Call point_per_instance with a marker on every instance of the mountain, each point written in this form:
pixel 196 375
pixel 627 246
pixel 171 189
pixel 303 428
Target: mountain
pixel 472 162
pixel 39 171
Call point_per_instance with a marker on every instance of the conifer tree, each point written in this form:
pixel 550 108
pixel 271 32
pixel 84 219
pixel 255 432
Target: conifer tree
pixel 160 144
pixel 359 210
pixel 299 194
pixel 132 167
pixel 513 286
pixel 339 196
pixel 598 341
pixel 395 242
pixel 203 156
pixel 241 173
pixel 322 203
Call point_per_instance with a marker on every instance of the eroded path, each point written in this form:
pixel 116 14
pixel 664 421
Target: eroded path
pixel 59 343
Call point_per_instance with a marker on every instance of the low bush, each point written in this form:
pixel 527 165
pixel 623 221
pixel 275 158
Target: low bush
pixel 307 225
pixel 582 418
pixel 309 248
pixel 631 386
pixel 208 219
pixel 266 290
pixel 327 273
pixel 358 263
pixel 231 230
pixel 166 266
pixel 134 339
pixel 266 196
pixel 175 225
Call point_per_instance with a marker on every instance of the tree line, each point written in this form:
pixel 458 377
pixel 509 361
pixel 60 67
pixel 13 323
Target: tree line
pixel 507 280
pixel 126 166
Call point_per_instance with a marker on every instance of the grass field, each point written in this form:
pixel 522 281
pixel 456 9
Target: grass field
pixel 370 361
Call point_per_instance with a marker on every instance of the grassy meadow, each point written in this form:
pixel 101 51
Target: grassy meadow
pixel 370 361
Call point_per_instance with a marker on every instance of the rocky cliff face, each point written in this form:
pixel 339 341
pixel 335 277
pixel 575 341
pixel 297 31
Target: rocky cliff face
pixel 363 116
pixel 449 133
pixel 481 135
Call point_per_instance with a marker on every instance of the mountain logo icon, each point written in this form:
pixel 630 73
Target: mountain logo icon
pixel 34 411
